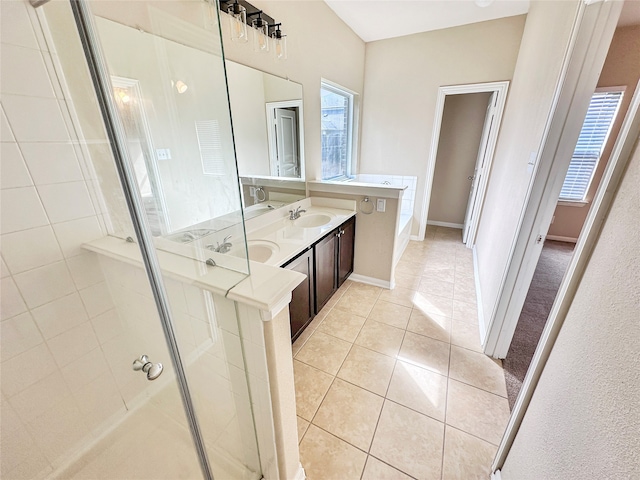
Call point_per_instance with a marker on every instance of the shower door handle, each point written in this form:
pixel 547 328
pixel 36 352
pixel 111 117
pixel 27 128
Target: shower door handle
pixel 153 370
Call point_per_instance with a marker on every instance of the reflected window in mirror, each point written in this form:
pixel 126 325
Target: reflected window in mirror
pixel 337 119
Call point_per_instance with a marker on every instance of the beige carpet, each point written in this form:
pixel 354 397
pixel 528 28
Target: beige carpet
pixel 552 264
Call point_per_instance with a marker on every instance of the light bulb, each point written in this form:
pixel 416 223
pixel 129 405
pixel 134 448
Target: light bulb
pixel 238 22
pixel 279 45
pixel 260 35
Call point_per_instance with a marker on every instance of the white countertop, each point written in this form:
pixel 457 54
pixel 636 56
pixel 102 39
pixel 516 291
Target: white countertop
pixel 267 286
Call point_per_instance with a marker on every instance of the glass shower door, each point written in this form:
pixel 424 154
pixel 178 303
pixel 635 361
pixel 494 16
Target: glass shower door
pixel 162 162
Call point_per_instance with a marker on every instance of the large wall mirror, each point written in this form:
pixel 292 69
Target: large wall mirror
pixel 172 102
pixel 269 136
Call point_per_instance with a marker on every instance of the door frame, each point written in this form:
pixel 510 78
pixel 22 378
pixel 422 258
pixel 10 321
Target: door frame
pixel 590 40
pixel 271 107
pixel 500 88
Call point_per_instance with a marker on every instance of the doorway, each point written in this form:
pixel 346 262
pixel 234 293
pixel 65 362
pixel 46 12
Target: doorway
pixel 495 94
pixel 285 137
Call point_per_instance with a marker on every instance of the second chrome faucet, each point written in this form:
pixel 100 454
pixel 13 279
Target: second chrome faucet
pixel 294 214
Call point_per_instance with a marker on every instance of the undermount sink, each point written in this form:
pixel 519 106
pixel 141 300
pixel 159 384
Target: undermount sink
pixel 261 250
pixel 312 220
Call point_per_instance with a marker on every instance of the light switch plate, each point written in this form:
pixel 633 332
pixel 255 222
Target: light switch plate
pixel 381 204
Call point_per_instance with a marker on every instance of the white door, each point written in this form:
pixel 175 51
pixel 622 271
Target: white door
pixel 479 171
pixel 287 163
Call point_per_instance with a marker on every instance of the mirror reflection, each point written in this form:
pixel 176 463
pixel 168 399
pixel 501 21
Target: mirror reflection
pixel 267 116
pixel 180 150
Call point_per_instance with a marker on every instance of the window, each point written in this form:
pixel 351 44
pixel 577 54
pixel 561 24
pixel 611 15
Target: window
pixel 593 136
pixel 337 129
pixel 210 144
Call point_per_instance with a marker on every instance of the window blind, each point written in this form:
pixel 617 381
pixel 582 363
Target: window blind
pixel 210 145
pixel 593 136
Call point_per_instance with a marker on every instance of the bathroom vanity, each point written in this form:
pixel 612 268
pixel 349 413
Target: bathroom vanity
pixel 327 264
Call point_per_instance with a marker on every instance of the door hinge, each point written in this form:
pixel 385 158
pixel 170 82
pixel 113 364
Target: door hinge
pixel 539 238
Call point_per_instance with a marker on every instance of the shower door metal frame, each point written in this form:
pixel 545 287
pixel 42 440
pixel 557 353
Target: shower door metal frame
pixel 116 135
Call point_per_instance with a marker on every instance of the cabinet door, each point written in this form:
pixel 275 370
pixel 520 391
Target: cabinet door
pixel 347 232
pixel 325 268
pixel 301 308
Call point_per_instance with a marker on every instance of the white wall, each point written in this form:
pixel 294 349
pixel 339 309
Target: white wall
pixel 320 45
pixel 461 131
pixel 402 79
pixel 584 420
pixel 530 101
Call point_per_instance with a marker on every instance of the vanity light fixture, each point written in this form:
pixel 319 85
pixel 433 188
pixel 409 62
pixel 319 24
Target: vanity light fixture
pixel 237 22
pixel 266 32
pixel 279 42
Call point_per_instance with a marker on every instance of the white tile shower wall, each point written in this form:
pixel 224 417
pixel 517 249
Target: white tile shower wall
pixel 57 316
pixel 211 347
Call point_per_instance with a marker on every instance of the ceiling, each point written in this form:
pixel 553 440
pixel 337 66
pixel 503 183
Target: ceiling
pixel 379 19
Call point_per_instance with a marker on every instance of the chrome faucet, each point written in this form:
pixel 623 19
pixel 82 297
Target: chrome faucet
pixel 294 214
pixel 221 248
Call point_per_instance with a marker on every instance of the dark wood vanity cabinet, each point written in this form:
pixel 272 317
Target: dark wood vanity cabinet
pixel 302 306
pixel 327 264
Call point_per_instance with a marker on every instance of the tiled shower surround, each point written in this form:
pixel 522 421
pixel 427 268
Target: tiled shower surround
pixel 71 323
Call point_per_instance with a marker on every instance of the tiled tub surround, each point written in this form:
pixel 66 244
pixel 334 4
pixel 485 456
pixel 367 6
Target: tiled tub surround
pixel 393 384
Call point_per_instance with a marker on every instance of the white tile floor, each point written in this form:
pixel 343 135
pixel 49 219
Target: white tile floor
pixel 392 384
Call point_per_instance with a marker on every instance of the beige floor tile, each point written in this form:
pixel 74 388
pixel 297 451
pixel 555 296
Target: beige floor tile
pixel 419 389
pixel 436 286
pixel 367 369
pixel 464 292
pixel 303 425
pixel 465 335
pixel 439 271
pixel 306 334
pixel 466 282
pixel 350 413
pixel 478 370
pixel 425 352
pixel 355 303
pixel 465 312
pixel 326 457
pixel 390 314
pixel 342 324
pixel 380 337
pixel 410 282
pixel 408 267
pixel 377 470
pixel 477 412
pixel 430 325
pixel 311 387
pixel 409 441
pixel 399 296
pixel 433 304
pixel 324 352
pixel 466 457
pixel 365 289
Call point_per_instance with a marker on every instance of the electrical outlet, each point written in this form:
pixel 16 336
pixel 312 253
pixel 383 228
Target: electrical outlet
pixel 252 191
pixel 163 154
pixel 381 204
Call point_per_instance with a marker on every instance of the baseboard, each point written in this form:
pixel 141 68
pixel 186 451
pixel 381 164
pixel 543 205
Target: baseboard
pixel 559 238
pixel 445 224
pixel 481 325
pixel 415 238
pixel 496 475
pixel 300 474
pixel 370 281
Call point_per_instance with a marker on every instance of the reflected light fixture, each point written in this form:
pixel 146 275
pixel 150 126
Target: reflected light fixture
pixel 238 22
pixel 123 95
pixel 279 42
pixel 181 87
